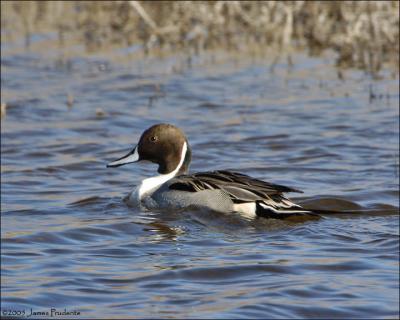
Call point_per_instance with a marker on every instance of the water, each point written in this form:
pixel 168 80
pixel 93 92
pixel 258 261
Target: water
pixel 69 242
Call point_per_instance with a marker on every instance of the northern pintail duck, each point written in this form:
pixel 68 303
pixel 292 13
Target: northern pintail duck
pixel 222 191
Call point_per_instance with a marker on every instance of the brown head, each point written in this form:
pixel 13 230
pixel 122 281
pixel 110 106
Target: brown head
pixel 163 144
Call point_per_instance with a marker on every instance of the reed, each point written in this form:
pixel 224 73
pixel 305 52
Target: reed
pixel 364 34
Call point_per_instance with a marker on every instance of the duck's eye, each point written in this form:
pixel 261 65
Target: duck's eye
pixel 153 139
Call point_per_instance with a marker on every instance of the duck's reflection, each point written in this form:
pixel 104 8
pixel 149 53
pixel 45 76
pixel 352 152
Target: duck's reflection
pixel 163 231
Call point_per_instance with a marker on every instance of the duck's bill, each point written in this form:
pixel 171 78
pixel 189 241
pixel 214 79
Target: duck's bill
pixel 132 156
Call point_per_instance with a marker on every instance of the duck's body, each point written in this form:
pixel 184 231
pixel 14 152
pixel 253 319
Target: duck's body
pixel 222 191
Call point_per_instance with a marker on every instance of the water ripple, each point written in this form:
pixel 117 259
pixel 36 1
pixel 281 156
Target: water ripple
pixel 69 240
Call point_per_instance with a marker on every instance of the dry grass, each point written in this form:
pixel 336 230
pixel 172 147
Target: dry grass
pixel 363 34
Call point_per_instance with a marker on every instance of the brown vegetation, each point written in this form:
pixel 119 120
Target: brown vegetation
pixel 364 34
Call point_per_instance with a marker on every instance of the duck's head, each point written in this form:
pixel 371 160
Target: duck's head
pixel 163 144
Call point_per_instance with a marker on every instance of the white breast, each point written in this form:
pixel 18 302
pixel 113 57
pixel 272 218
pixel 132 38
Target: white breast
pixel 150 185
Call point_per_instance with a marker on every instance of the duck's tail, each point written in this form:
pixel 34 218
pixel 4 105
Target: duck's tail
pixel 284 211
pixel 267 210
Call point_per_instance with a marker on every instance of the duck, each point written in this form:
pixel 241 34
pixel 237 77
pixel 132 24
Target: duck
pixel 223 191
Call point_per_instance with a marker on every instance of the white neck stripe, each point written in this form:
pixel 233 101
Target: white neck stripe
pixel 152 184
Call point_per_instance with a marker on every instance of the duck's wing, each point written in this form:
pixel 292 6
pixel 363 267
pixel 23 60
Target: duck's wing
pixel 241 187
pixel 268 197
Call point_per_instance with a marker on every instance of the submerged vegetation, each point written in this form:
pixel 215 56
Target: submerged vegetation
pixel 364 34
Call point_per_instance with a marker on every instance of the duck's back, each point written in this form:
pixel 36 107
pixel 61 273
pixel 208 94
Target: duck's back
pixel 227 191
